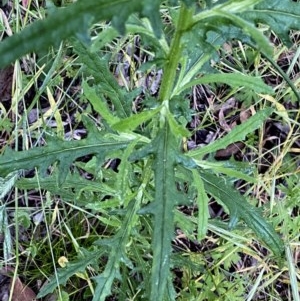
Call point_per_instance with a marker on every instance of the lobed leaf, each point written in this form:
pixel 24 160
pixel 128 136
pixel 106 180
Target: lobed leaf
pixel 281 16
pixel 117 254
pixel 106 84
pixel 240 209
pixel 163 210
pixel 248 29
pixel 231 169
pixel 63 152
pixel 63 274
pixel 7 183
pixel 76 20
pixel 122 179
pixel 232 79
pixel 71 188
pixel 134 121
pixel 99 105
pixel 7 239
pixel 223 21
pixel 202 202
pixel 164 148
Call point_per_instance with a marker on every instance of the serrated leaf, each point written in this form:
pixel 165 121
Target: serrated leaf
pixel 177 129
pixel 223 23
pixel 237 134
pixel 122 182
pixel 165 147
pixel 240 209
pixel 63 152
pixel 63 274
pixel 135 120
pixel 228 168
pixel 107 86
pixel 215 27
pixel 281 15
pixel 7 241
pixel 70 188
pixel 99 105
pixel 116 255
pixel 7 183
pixel 249 29
pixel 75 20
pixel 202 202
pixel 232 79
pixel 105 36
pixel 149 9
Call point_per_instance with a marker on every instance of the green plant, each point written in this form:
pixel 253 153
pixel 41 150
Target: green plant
pixel 156 173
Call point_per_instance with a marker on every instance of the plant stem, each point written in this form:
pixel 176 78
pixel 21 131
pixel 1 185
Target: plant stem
pixel 169 74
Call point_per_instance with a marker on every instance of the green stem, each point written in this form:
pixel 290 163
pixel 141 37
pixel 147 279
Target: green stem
pixel 174 56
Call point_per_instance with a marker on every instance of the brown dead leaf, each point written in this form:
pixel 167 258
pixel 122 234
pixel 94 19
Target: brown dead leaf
pixel 245 115
pixel 230 150
pixel 21 292
pixel 223 109
pixel 6 77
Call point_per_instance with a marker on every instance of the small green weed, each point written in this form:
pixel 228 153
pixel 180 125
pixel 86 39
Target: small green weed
pixel 124 195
